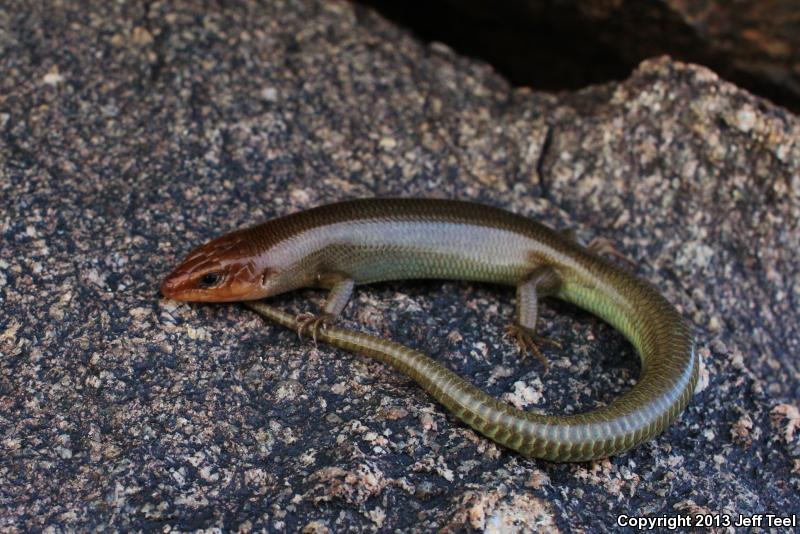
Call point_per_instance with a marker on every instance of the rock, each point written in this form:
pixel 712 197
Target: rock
pixel 558 44
pixel 129 134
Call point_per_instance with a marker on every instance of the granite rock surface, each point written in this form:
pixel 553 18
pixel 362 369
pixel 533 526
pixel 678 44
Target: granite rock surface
pixel 131 132
pixel 561 44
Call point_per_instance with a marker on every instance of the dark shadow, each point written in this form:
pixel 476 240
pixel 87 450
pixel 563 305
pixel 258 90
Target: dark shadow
pixel 551 46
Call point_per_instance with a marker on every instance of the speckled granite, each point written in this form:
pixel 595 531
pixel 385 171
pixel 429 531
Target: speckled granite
pixel 572 43
pixel 130 133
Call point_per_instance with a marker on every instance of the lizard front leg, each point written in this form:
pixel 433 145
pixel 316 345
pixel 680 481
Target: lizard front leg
pixel 341 289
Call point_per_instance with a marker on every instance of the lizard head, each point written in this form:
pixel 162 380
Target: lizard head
pixel 222 270
pixel 241 265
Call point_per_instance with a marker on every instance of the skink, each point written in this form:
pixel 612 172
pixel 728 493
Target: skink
pixel 338 246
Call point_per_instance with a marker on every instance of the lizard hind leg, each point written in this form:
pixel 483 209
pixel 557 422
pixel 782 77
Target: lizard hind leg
pixel 529 341
pixel 540 282
pixel 602 246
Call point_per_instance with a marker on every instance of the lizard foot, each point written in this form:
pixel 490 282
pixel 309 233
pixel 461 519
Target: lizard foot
pixel 602 245
pixel 311 324
pixel 529 342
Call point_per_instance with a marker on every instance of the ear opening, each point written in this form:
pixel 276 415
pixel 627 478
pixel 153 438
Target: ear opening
pixel 266 275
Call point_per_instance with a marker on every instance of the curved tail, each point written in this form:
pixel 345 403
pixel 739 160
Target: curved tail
pixel 644 411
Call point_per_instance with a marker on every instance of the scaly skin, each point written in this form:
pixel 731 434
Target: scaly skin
pixel 369 240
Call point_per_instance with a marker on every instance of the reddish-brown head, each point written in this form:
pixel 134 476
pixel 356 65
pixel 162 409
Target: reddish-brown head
pixel 222 270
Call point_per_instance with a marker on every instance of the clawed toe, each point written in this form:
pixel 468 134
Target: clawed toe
pixel 528 342
pixel 310 323
pixel 602 245
pixel 547 341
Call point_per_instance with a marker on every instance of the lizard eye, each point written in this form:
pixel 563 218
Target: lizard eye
pixel 209 280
